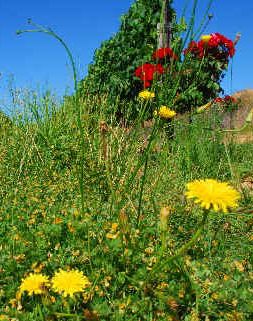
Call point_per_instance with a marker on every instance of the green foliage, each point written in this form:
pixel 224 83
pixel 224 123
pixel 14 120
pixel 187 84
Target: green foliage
pixel 112 72
pixel 149 253
pixel 188 82
pixel 199 83
pixel 42 226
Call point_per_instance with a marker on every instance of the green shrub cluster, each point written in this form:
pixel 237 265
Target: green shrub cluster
pixel 187 82
pixel 112 72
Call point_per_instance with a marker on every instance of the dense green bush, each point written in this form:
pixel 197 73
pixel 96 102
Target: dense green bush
pixel 112 72
pixel 191 80
pixel 196 79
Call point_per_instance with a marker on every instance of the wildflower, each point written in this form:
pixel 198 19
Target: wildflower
pixel 239 266
pixel 71 227
pixel 13 303
pixel 165 112
pixel 211 193
pixel 229 99
pixel 218 40
pixel 19 258
pixel 206 38
pixel 114 233
pixel 226 100
pixel 112 236
pixel 218 100
pixel 69 282
pixel 145 94
pixel 37 267
pixel 195 48
pixel 114 226
pixel 215 45
pixel 34 283
pixel 57 220
pixel 162 53
pixel 147 71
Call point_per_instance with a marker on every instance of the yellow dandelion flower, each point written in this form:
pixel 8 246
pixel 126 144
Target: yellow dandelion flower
pixel 211 193
pixel 69 282
pixel 206 38
pixel 145 94
pixel 34 283
pixel 165 112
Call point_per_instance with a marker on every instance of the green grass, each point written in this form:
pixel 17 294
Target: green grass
pixel 127 181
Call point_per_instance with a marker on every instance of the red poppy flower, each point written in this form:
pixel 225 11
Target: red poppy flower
pixel 226 100
pixel 162 53
pixel 217 46
pixel 146 73
pixel 196 48
pixel 229 99
pixel 146 84
pixel 226 44
pixel 218 100
pixel 159 69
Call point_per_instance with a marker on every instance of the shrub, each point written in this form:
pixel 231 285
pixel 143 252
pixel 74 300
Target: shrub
pixel 130 61
pixel 112 70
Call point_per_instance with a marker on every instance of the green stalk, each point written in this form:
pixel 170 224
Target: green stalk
pixel 203 23
pixel 179 78
pixel 38 309
pixel 50 32
pixel 142 160
pixel 143 179
pixel 180 252
pixel 191 24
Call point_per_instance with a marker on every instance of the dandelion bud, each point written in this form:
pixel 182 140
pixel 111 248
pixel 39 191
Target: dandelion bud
pixel 237 38
pixel 103 127
pixel 164 216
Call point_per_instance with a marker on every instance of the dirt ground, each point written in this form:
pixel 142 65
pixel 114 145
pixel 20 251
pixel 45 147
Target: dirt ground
pixel 236 119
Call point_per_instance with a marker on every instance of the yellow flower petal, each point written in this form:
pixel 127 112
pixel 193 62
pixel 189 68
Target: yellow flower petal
pixel 34 283
pixel 145 94
pixel 69 282
pixel 206 38
pixel 165 112
pixel 213 194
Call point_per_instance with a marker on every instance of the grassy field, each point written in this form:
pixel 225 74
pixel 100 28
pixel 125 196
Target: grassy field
pixel 134 217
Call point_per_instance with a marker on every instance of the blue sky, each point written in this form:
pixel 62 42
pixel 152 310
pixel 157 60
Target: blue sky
pixel 37 60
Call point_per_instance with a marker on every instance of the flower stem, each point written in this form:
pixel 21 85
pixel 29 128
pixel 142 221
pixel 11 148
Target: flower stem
pixel 143 179
pixel 182 250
